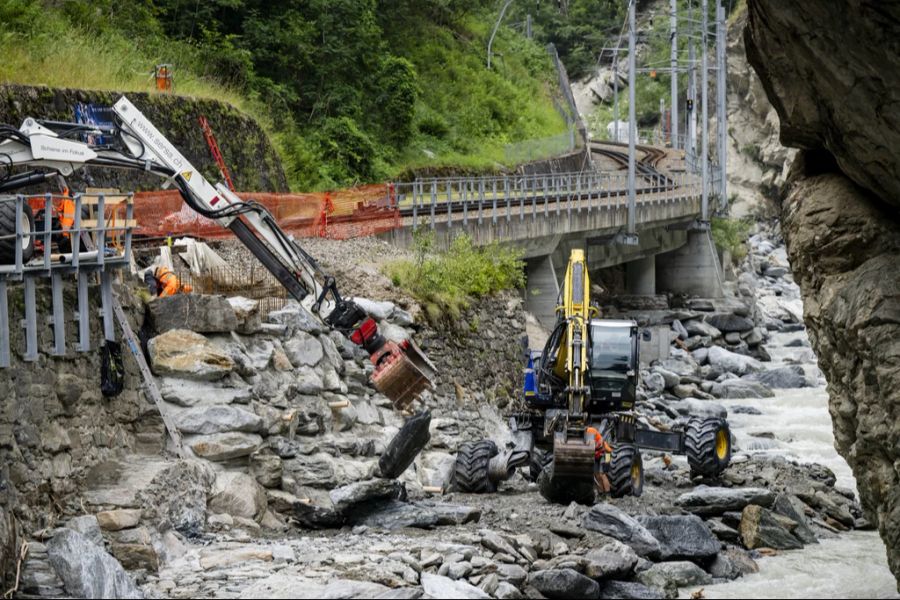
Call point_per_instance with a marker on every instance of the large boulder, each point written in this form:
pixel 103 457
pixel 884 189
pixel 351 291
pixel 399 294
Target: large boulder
pixel 438 586
pixel 86 570
pixel 682 537
pixel 629 590
pixel 563 584
pixel 304 350
pixel 176 497
pixel 713 501
pixel 728 322
pixel 669 576
pixel 732 362
pixel 611 561
pixel 761 529
pixel 194 312
pixel 740 388
pixel 189 355
pixel 615 523
pixel 225 446
pixel 702 329
pixel 347 497
pixel 238 495
pixel 217 419
pixel 789 377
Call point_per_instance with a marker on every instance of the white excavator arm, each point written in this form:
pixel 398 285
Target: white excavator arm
pixel 57 149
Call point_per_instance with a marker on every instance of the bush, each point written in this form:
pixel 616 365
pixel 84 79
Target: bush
pixel 730 235
pixel 445 282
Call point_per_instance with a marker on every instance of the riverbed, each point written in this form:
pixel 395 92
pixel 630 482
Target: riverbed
pixel 796 424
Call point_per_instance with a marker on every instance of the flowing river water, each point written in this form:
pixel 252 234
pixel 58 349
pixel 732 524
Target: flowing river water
pixel 851 565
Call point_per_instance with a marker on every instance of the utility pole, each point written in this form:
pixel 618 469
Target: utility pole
pixel 673 25
pixel 528 26
pixel 704 108
pixel 632 127
pixel 616 90
pixel 721 109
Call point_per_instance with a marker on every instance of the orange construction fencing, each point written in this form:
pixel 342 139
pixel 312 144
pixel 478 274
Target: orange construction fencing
pixel 342 214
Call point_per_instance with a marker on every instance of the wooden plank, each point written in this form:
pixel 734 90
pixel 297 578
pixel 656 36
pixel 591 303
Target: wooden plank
pixel 107 200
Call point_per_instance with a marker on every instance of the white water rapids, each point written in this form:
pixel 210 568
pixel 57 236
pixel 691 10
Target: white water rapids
pixel 851 565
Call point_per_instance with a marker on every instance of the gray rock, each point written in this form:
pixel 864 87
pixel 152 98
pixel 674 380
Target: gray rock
pixel 225 446
pixel 296 318
pixel 309 382
pixel 732 362
pixel 176 497
pixel 185 392
pixel 238 495
pixel 266 468
pixel 670 379
pixel 679 330
pixel 698 408
pixel 669 576
pixel 628 590
pixel 615 523
pixel 188 355
pixel 86 570
pixel 217 419
pixel 682 537
pixel 790 377
pixel 610 561
pixel 348 497
pixel 507 591
pixel 564 583
pixel 740 388
pixel 304 350
pixel 787 506
pixel 397 515
pixel 195 312
pixel 761 529
pixel 710 501
pixel 437 586
pixel 379 311
pixel 702 329
pixel 654 382
pixel 727 322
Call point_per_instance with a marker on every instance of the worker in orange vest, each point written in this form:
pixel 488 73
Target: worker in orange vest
pixel 163 282
pixel 602 453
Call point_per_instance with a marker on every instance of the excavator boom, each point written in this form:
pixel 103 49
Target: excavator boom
pixel 402 372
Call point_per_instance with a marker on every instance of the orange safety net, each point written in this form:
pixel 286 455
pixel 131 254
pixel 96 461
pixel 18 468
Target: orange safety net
pixel 342 214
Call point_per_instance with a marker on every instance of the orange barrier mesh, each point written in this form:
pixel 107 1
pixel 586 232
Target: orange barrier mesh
pixel 342 214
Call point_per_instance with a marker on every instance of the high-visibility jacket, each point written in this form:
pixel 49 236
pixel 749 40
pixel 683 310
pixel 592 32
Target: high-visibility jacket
pixel 168 283
pixel 66 210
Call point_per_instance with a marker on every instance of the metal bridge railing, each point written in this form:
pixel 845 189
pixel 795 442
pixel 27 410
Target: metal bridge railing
pixel 459 200
pixel 105 219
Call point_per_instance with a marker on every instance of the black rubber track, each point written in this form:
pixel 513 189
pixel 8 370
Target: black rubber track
pixel 700 446
pixel 565 490
pixel 470 474
pixel 621 484
pixel 8 227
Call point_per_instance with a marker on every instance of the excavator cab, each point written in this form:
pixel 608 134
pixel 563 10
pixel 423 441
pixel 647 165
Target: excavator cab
pixel 612 365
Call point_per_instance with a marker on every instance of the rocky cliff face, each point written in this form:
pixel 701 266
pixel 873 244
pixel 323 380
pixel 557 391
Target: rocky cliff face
pixel 831 71
pixel 250 156
pixel 757 161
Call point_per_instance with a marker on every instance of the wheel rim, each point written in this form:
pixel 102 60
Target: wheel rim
pixel 26 232
pixel 721 444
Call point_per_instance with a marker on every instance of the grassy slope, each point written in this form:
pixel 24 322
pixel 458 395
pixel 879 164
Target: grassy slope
pixel 465 115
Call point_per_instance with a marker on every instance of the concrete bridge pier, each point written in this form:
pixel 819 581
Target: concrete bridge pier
pixel 640 276
pixel 542 289
pixel 692 269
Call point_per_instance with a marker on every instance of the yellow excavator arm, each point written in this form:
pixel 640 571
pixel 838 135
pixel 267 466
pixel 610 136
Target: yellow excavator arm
pixel 576 310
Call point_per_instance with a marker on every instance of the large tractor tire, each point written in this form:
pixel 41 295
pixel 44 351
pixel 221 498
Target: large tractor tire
pixel 626 471
pixel 708 446
pixel 565 490
pixel 470 474
pixel 540 460
pixel 8 227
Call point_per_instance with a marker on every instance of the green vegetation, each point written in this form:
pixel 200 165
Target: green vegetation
pixel 444 282
pixel 350 90
pixel 731 235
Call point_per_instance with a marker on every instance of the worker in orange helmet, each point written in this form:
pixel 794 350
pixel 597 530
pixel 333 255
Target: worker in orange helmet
pixel 163 282
pixel 602 452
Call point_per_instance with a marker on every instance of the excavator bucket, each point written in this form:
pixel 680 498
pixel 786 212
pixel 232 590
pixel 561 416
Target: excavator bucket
pixel 572 457
pixel 403 372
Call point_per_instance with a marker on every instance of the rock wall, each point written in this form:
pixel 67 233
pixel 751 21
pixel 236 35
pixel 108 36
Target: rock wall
pixel 55 425
pixel 248 152
pixel 757 161
pixel 830 70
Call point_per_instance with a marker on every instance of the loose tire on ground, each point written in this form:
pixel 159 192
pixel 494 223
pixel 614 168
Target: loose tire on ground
pixel 470 474
pixel 708 446
pixel 8 227
pixel 626 471
pixel 565 490
pixel 539 461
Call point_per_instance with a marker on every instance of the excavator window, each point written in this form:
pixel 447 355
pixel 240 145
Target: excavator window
pixel 611 352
